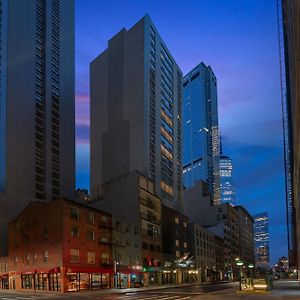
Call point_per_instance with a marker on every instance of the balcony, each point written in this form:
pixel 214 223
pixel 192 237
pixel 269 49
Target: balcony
pixel 148 202
pixel 150 217
pixel 148 234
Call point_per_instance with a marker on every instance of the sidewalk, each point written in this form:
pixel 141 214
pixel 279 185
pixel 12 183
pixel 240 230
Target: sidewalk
pixel 147 288
pixel 134 290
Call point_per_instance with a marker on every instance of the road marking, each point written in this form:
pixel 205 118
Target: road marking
pixel 156 297
pixel 7 298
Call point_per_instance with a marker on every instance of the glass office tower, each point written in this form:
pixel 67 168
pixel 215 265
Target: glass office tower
pixel 261 240
pixel 227 188
pixel 201 130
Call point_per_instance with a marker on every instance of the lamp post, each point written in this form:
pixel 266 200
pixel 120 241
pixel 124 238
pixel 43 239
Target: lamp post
pixel 239 263
pixel 251 266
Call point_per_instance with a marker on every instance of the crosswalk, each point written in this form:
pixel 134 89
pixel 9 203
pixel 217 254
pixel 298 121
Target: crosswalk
pixel 26 297
pixel 158 296
pixel 19 297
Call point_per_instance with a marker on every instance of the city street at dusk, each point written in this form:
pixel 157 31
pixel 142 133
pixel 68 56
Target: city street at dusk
pixel 282 290
pixel 149 150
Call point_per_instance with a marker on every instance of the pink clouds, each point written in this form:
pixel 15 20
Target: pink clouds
pixel 82 118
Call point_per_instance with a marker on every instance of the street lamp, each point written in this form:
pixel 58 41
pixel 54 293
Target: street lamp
pixel 239 263
pixel 251 266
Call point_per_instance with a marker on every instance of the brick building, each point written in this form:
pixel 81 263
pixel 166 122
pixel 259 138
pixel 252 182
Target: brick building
pixel 59 246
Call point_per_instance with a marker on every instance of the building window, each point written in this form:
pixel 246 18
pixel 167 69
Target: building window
pixel 91 217
pixel 136 230
pixel 34 258
pixel 16 261
pixel 74 255
pixel 91 257
pixel 75 232
pixel 184 224
pixel 27 259
pixel 185 244
pixel 176 220
pixel 177 243
pixel 105 258
pixel 90 235
pixel 104 221
pixel 177 254
pixel 74 213
pixel 45 256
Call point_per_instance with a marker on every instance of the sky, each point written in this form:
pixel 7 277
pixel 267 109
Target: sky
pixel 239 40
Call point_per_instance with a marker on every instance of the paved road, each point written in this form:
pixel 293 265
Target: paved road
pixel 282 290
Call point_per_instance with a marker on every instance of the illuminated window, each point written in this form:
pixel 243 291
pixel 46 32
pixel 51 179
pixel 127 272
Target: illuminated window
pixel 74 255
pixel 91 257
pixel 45 256
pixel 176 220
pixel 177 243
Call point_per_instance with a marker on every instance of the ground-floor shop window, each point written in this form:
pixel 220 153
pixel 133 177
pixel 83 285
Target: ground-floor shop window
pixel 55 282
pixel 27 281
pixel 4 282
pixel 73 282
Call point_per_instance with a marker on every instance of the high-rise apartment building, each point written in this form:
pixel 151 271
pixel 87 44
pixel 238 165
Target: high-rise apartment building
pixel 37 119
pixel 136 91
pixel 261 240
pixel 227 189
pixel 200 129
pixel 246 236
pixel 289 36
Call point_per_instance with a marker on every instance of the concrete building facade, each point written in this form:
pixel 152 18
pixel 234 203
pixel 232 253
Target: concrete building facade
pixel 37 116
pixel 136 91
pixel 179 265
pixel 132 198
pixel 246 236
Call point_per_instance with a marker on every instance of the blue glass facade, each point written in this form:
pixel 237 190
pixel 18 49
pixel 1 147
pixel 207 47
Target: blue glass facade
pixel 200 129
pixel 3 70
pixel 227 188
pixel 261 239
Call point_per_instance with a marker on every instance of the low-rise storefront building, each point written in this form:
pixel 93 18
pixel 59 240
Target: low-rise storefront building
pixel 59 246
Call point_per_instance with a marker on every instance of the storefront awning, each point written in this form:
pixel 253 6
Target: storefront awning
pixel 50 270
pixel 96 270
pixel 27 272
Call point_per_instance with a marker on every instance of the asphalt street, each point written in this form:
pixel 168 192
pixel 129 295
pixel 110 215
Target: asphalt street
pixel 228 291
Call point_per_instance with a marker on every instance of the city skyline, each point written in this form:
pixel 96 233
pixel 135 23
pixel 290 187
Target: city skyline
pixel 254 41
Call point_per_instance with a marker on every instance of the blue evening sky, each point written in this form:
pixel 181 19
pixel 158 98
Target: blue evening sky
pixel 238 38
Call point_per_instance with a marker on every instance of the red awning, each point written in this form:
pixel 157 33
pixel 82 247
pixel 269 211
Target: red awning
pixel 50 270
pixel 26 272
pixel 77 269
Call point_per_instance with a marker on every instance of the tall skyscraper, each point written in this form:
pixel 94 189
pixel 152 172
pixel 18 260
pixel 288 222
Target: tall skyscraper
pixel 136 99
pixel 289 38
pixel 201 129
pixel 37 120
pixel 261 240
pixel 227 188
